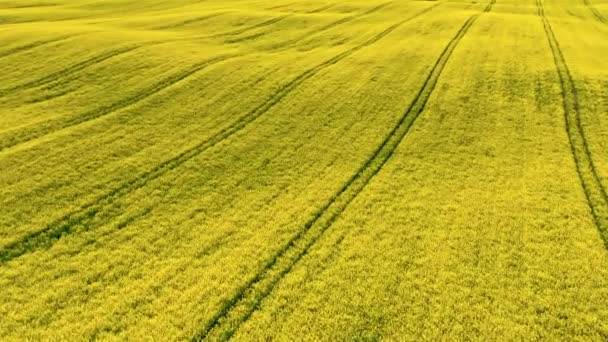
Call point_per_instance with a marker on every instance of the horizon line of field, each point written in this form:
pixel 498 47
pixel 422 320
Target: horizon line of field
pixel 247 299
pixel 23 135
pixel 595 193
pixel 83 216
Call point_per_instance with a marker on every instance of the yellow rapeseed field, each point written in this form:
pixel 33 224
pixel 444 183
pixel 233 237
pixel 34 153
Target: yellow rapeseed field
pixel 303 170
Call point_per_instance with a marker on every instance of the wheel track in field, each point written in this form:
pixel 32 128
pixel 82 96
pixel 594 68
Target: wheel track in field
pixel 597 197
pixel 597 14
pixel 322 29
pixel 69 70
pixel 33 45
pixel 48 97
pixel 321 9
pixel 274 8
pixel 23 135
pixel 333 25
pixel 265 23
pixel 353 17
pixel 248 297
pixel 190 21
pixel 83 218
pixel 246 38
pixel 72 69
